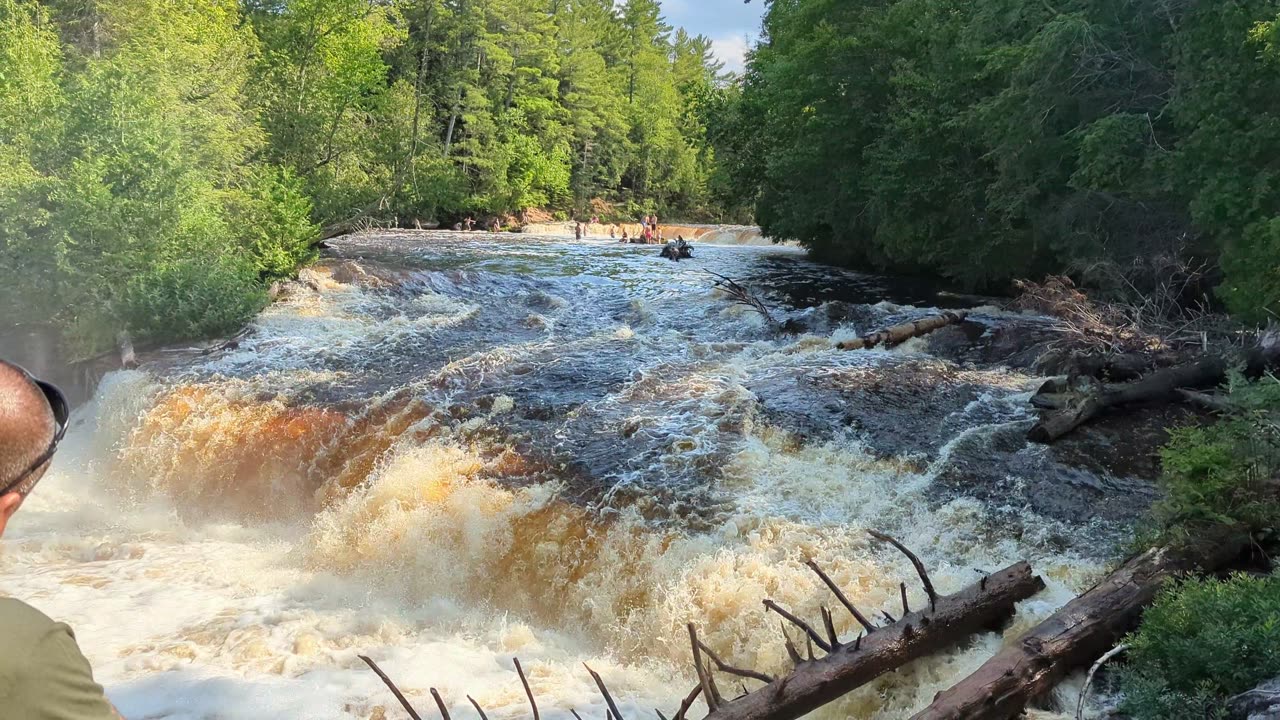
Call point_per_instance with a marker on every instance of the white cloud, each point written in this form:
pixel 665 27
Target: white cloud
pixel 732 51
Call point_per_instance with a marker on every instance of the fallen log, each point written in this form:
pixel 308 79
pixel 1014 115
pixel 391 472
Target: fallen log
pixel 1075 635
pixel 1161 385
pixel 899 334
pixel 1080 399
pixel 944 621
pixel 815 683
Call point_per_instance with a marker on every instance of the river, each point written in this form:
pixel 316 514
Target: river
pixel 446 451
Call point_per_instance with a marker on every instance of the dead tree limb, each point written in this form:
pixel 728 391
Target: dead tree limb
pixel 829 623
pixel 743 296
pixel 1212 403
pixel 814 684
pixel 813 634
pixel 527 690
pixel 1158 386
pixel 1088 678
pixel 835 590
pixel 915 562
pixel 604 690
pixel 444 709
pixel 899 334
pixel 392 686
pixel 709 692
pixel 688 702
pixel 727 668
pixel 1072 637
pixel 479 709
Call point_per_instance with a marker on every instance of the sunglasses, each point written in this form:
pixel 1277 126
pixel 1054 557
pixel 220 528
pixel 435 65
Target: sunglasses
pixel 22 484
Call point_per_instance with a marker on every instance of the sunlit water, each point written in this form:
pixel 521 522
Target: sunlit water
pixel 448 451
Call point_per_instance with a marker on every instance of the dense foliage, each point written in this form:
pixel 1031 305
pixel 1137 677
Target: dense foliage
pixel 1225 473
pixel 990 139
pixel 161 161
pixel 1202 642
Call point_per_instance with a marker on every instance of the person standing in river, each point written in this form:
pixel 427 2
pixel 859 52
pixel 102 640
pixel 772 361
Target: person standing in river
pixel 43 674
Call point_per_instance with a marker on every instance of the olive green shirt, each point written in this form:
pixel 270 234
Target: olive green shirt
pixel 43 674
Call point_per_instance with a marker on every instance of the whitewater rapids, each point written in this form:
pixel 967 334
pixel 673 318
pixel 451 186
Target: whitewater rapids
pixel 447 451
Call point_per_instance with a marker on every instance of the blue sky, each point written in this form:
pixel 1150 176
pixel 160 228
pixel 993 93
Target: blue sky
pixel 731 24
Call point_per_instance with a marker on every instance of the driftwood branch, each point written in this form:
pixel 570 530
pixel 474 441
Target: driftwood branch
pixel 727 668
pixel 915 562
pixel 899 334
pixel 1073 636
pixel 809 631
pixel 1088 679
pixel 1212 403
pixel 604 690
pixel 444 709
pixel 835 590
pixel 1158 386
pixel 709 692
pixel 815 683
pixel 688 702
pixel 743 296
pixel 527 690
pixel 479 709
pixel 792 652
pixel 829 623
pixel 392 686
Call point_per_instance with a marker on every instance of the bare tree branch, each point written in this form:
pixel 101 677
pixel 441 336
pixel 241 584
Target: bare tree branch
pixel 394 690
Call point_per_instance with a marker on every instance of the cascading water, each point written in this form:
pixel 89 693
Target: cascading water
pixel 447 450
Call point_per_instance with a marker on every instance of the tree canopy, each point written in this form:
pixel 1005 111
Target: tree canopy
pixel 161 161
pixel 989 139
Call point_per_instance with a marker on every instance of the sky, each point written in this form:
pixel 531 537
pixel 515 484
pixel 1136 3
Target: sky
pixel 731 24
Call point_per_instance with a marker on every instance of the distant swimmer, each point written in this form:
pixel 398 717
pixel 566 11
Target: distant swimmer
pixel 577 230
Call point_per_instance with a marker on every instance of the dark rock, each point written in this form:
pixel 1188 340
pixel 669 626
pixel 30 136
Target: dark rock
pixel 1260 703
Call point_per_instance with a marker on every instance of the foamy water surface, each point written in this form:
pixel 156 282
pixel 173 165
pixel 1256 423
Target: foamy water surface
pixel 447 453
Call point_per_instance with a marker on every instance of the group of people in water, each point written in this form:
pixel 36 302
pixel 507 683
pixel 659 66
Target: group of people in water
pixel 649 233
pixel 469 225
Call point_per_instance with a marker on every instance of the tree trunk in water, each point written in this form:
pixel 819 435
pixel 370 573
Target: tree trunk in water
pixel 849 666
pixel 901 333
pixel 1161 385
pixel 1075 635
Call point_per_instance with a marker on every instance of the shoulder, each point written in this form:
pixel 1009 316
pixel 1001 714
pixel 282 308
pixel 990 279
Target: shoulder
pixel 43 674
pixel 22 625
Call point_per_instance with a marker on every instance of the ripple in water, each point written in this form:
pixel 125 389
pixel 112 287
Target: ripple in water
pixel 446 451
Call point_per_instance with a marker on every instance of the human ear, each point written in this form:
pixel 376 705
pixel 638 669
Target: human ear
pixel 8 506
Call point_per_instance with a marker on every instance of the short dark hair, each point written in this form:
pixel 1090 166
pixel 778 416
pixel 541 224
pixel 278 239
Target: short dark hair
pixel 27 423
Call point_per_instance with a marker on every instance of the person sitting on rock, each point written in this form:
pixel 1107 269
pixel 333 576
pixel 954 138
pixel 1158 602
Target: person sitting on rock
pixel 43 674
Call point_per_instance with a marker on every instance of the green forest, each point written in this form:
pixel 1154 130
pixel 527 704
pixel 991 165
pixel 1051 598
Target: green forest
pixel 161 162
pixel 987 140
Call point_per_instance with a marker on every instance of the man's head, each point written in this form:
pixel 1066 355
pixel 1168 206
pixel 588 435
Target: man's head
pixel 29 429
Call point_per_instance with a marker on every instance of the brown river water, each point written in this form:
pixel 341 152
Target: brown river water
pixel 449 450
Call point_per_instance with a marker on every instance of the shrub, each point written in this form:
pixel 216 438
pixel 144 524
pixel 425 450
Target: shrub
pixel 272 214
pixel 192 298
pixel 1224 473
pixel 1200 643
